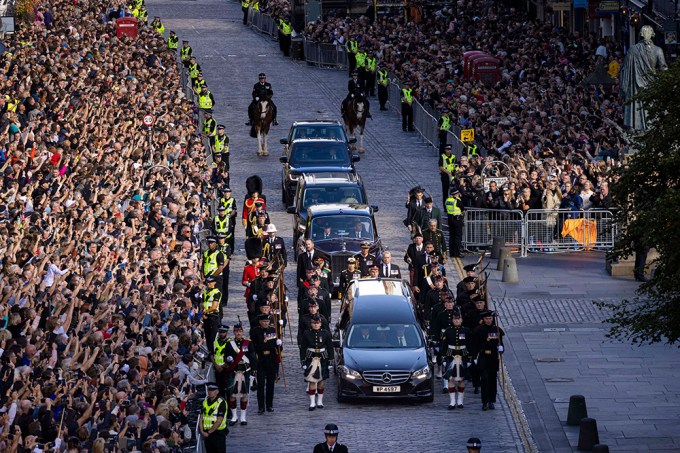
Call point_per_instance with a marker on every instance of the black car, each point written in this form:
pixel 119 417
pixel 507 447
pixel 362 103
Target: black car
pixel 326 129
pixel 325 188
pixel 338 230
pixel 313 156
pixel 369 360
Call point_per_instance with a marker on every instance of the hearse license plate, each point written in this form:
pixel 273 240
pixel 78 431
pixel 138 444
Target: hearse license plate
pixel 392 389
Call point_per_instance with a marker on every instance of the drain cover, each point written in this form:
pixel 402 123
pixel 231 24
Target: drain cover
pixel 549 360
pixel 558 379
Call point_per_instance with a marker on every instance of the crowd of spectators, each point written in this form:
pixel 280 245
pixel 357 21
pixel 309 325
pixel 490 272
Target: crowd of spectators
pixel 99 330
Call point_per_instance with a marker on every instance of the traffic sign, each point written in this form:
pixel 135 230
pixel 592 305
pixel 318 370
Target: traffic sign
pixel 467 135
pixel 149 120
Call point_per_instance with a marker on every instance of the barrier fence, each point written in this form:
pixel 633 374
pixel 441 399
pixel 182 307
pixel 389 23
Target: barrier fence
pixel 539 230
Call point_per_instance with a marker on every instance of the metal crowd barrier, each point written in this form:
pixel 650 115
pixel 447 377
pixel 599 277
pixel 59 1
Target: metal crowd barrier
pixel 264 23
pixel 539 230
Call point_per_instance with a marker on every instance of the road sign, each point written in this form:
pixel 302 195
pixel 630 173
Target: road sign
pixel 149 120
pixel 467 135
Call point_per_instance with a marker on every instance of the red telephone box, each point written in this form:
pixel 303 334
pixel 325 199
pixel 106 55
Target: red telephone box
pixel 126 26
pixel 486 69
pixel 471 64
pixel 466 61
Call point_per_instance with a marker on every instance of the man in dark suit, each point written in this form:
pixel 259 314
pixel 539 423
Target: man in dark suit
pixel 423 270
pixel 411 257
pixel 404 338
pixel 360 232
pixel 429 212
pixel 331 444
pixel 413 205
pixel 387 269
pixel 305 261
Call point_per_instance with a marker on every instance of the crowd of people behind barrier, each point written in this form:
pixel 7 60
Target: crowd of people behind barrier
pixel 99 215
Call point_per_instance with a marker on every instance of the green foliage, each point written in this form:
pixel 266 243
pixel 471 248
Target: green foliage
pixel 648 198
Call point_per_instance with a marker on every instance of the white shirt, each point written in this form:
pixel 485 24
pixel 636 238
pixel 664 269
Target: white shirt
pixel 52 272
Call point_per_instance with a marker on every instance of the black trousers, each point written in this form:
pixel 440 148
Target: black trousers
pixel 407 117
pixel 352 60
pixel 446 183
pixel 245 16
pixel 285 44
pixel 210 325
pixel 641 260
pixel 443 137
pixel 370 83
pixel 382 95
pixel 225 287
pixel 488 374
pixel 455 235
pixel 266 377
pixel 217 442
pixel 474 374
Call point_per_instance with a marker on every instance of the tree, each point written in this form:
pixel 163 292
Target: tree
pixel 648 198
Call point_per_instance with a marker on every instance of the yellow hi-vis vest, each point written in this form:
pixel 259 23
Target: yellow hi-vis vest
pixel 361 59
pixel 450 163
pixel 173 42
pixel 210 262
pixel 204 100
pixel 220 141
pixel 219 351
pixel 352 46
pixel 210 415
pixel 407 95
pixel 371 63
pixel 208 298
pixel 446 123
pixel 221 225
pixel 185 53
pixel 452 207
pixel 285 27
pixel 382 77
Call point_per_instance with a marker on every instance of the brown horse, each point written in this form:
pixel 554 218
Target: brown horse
pixel 261 115
pixel 354 115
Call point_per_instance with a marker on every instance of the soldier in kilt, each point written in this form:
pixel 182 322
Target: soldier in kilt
pixel 316 355
pixel 455 352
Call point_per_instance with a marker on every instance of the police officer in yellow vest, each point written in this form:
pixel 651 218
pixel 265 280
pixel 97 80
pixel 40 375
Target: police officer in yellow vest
pixel 447 170
pixel 206 101
pixel 158 25
pixel 211 312
pixel 173 42
pixel 213 261
pixel 143 15
pixel 285 31
pixel 209 124
pixel 219 359
pixel 362 57
pixel 352 47
pixel 454 211
pixel 371 69
pixel 220 146
pixel 194 69
pixel 185 53
pixel 199 83
pixel 444 126
pixel 407 107
pixel 213 421
pixel 229 204
pixel 245 4
pixel 471 150
pixel 226 251
pixel 383 88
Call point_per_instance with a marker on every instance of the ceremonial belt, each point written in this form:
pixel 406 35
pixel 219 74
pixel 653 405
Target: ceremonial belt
pixel 457 348
pixel 488 351
pixel 316 350
pixel 240 354
pixel 266 352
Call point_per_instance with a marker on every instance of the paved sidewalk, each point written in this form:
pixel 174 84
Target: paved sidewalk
pixel 231 56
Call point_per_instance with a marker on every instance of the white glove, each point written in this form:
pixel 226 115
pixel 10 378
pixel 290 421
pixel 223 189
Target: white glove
pixel 474 361
pixel 304 367
pixel 286 298
pixel 280 322
pixel 230 359
pixel 278 342
pixel 254 296
pixel 330 367
pixel 500 348
pixel 257 98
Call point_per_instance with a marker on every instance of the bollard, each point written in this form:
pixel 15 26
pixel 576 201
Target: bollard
pixel 587 435
pixel 600 448
pixel 505 252
pixel 498 242
pixel 510 271
pixel 577 410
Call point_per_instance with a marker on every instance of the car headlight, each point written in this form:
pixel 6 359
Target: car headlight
pixel 422 373
pixel 349 373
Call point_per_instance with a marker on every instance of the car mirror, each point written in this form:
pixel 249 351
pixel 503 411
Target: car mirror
pixel 355 158
pixel 336 344
pixel 283 141
pixel 375 208
pixel 352 140
pixel 290 209
pixel 283 159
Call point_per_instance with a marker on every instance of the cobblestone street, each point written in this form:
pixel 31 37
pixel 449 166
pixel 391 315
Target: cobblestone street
pixel 231 55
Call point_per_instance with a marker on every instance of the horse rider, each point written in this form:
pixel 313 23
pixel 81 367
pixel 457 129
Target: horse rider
pixel 356 88
pixel 263 90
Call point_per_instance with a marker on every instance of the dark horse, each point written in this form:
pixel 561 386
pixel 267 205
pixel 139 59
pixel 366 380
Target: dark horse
pixel 261 115
pixel 354 115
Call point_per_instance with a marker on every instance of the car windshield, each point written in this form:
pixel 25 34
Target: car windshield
pixel 384 336
pixel 330 131
pixel 320 153
pixel 342 226
pixel 327 195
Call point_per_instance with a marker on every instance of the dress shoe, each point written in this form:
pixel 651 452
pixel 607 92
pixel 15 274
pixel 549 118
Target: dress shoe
pixel 451 407
pixel 260 411
pixel 484 407
pixel 270 409
pixel 244 423
pixel 232 423
pixel 460 406
pixel 476 390
pixel 641 278
pixel 445 390
pixel 276 123
pixel 311 408
pixel 491 406
pixel 319 406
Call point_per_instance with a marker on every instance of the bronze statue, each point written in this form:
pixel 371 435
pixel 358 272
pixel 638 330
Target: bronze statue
pixel 642 60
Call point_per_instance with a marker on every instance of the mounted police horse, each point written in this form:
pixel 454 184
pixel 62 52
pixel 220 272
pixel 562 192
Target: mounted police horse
pixel 261 115
pixel 354 115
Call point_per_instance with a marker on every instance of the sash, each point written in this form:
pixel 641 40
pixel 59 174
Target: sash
pixel 240 355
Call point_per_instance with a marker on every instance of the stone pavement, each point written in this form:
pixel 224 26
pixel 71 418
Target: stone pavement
pixel 231 56
pixel 558 348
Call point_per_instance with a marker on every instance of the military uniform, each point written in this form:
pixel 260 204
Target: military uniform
pixel 305 324
pixel 229 204
pixel 275 248
pixel 266 348
pixel 365 262
pixel 239 355
pixel 316 357
pixel 488 346
pixel 346 277
pixel 440 322
pixel 437 239
pixel 263 91
pixel 454 349
pixel 214 422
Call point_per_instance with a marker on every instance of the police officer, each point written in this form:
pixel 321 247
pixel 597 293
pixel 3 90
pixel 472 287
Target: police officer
pixel 365 260
pixel 229 204
pixel 158 26
pixel 245 5
pixel 352 47
pixel 454 212
pixel 474 445
pixel 266 346
pixel 371 68
pixel 225 248
pixel 209 123
pixel 331 444
pixel 355 89
pixel 194 69
pixel 383 88
pixel 220 146
pixel 316 357
pixel 219 359
pixel 407 107
pixel 361 58
pixel 447 169
pixel 274 247
pixel 213 421
pixel 222 223
pixel 263 90
pixel 488 343
pixel 239 355
pixel 206 101
pixel 444 126
pixel 213 262
pixel 185 53
pixel 285 31
pixel 211 312
pixel 199 83
pixel 173 43
pixel 455 352
pixel 347 275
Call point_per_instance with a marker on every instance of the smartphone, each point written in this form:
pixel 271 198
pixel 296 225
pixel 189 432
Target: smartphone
pixel 130 444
